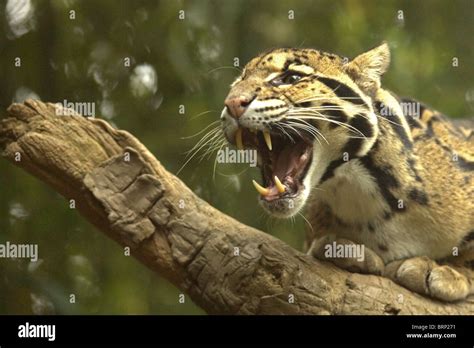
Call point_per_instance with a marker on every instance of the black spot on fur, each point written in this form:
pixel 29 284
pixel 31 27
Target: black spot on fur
pixel 329 173
pixel 395 122
pixel 429 129
pixel 363 125
pixel 334 114
pixel 385 181
pixel 375 147
pixel 469 237
pixel 279 114
pixel 290 61
pixel 413 122
pixel 352 147
pixel 464 164
pixel 287 64
pixel 411 164
pixel 418 196
pixel 382 247
pixel 354 144
pixel 342 91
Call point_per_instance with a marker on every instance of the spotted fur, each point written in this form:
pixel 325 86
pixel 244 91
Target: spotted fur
pixel 391 174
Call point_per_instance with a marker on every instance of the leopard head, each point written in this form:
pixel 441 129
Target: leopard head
pixel 303 111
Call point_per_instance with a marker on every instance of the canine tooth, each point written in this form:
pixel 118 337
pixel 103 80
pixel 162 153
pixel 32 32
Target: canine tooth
pixel 238 139
pixel 262 190
pixel 281 188
pixel 268 139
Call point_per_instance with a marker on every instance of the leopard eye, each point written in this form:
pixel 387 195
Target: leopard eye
pixel 291 79
pixel 286 79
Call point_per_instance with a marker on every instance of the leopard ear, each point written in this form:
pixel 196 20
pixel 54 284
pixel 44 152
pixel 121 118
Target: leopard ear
pixel 367 68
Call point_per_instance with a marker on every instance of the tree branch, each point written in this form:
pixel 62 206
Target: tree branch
pixel 120 187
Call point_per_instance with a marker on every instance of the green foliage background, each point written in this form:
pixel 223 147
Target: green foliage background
pixel 81 60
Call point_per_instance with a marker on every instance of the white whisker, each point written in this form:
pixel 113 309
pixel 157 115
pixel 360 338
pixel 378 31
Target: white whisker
pixel 204 113
pixel 305 219
pixel 215 164
pixel 225 67
pixel 318 116
pixel 202 130
pixel 213 139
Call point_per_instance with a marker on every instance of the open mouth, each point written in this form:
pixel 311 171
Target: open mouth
pixel 283 158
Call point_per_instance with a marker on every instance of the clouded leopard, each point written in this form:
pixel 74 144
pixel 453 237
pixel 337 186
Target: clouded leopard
pixel 367 167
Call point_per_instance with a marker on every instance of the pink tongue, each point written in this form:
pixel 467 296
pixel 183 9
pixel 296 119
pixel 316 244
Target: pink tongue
pixel 273 192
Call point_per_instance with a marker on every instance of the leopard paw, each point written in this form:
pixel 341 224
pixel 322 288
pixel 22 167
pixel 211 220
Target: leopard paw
pixel 426 277
pixel 355 257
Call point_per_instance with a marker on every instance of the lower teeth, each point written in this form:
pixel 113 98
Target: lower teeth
pixel 266 191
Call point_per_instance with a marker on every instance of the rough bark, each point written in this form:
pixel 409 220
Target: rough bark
pixel 121 188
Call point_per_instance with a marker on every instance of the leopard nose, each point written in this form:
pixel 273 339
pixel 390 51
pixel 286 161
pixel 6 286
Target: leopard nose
pixel 237 105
